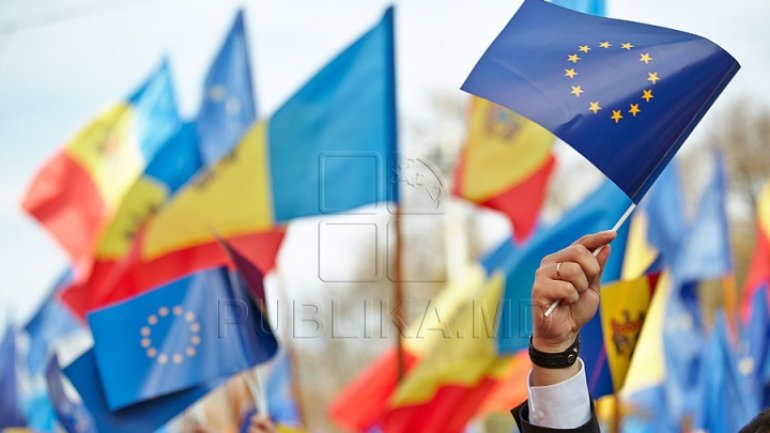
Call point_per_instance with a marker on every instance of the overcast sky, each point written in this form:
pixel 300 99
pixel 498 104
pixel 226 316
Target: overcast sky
pixel 61 62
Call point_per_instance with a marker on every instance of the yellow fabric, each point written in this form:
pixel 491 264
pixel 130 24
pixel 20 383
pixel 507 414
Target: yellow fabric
pixel 502 149
pixel 466 356
pixel 288 429
pixel 422 335
pixel 624 306
pixel 144 198
pixel 233 199
pixel 109 151
pixel 764 210
pixel 647 366
pixel 639 255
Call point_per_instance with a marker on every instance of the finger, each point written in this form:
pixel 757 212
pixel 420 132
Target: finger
pixel 556 290
pixel 602 259
pixel 596 240
pixel 579 254
pixel 572 272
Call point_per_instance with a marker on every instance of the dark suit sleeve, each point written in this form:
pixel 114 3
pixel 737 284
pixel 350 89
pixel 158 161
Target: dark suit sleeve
pixel 521 415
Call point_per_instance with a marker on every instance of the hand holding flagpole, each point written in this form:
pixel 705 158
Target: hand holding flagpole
pixel 596 252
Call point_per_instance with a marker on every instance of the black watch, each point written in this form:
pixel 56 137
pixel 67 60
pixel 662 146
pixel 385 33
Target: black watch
pixel 555 360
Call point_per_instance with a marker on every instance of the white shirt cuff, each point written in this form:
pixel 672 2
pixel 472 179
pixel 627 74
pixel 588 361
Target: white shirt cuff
pixel 565 405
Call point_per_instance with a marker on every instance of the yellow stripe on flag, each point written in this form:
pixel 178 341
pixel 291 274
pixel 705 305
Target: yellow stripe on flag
pixel 647 366
pixel 763 205
pixel 502 149
pixel 233 199
pixel 463 357
pixel 624 306
pixel 109 151
pixel 640 255
pixel 144 198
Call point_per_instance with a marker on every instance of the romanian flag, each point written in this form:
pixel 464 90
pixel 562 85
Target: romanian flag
pixel 326 150
pixel 506 164
pixel 80 189
pixel 759 271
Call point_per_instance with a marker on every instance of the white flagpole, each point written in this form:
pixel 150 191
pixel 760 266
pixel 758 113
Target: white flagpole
pixel 617 226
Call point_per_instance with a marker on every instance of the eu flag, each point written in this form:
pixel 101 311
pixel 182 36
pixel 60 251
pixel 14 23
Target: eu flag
pixel 191 331
pixel 623 94
pixel 228 107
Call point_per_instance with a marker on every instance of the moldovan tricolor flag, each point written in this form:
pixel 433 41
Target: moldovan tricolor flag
pixel 78 190
pixel 506 164
pixel 328 149
pixel 759 272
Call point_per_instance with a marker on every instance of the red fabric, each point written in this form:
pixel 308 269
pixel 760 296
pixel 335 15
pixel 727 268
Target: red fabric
pixel 64 199
pixel 113 281
pixel 511 390
pixel 522 202
pixel 449 411
pixel 759 273
pixel 361 404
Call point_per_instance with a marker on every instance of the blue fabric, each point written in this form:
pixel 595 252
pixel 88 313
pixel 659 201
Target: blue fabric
pixel 498 255
pixel 228 108
pixel 72 416
pixel 524 70
pixel 10 408
pixel 178 160
pixel 593 7
pixel 39 413
pixel 600 211
pixel 147 416
pixel 157 116
pixel 756 340
pixel 333 144
pixel 51 321
pixel 705 252
pixel 726 402
pixel 664 206
pixel 188 332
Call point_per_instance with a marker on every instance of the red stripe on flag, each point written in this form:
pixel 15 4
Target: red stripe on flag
pixel 759 273
pixel 522 202
pixel 64 199
pixel 113 281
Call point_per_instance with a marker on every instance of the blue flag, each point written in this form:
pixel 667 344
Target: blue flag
pixel 177 161
pixel 51 321
pixel 280 392
pixel 228 107
pixel 146 417
pixel 191 331
pixel 10 408
pixel 596 213
pixel 664 206
pixel 71 415
pixel 705 252
pixel 756 343
pixel 623 94
pixel 726 403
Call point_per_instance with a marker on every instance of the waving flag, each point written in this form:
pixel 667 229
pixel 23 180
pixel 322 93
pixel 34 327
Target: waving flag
pixel 326 150
pixel 80 188
pixel 506 164
pixel 228 107
pixel 146 416
pixel 72 416
pixel 625 95
pixel 51 321
pixel 593 7
pixel 192 331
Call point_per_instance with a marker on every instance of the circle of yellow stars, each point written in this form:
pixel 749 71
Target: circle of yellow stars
pixel 163 358
pixel 595 106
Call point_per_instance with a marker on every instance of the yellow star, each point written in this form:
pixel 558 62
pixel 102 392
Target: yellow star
pixel 634 109
pixel 645 58
pixel 616 116
pixel 577 90
pixel 570 73
pixel 653 77
pixel 594 106
pixel 584 48
pixel 605 44
pixel 573 58
pixel 647 95
pixel 627 46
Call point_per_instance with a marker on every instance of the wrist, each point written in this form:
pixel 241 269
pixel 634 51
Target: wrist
pixel 553 345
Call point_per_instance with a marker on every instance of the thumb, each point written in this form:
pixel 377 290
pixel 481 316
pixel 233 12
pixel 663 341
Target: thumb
pixel 602 258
